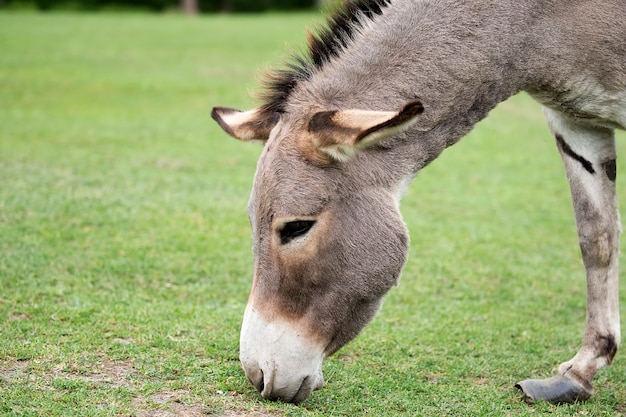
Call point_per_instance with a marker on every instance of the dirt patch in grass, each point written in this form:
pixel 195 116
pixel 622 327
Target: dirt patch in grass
pixel 169 404
pixel 13 370
pixel 182 403
pixel 113 374
pixel 116 374
pixel 246 413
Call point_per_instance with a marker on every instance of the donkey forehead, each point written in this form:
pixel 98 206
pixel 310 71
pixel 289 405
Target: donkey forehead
pixel 287 184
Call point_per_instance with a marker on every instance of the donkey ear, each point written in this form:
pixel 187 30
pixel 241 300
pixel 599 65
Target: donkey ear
pixel 245 125
pixel 341 133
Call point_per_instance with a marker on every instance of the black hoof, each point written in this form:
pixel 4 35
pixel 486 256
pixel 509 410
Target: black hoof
pixel 558 389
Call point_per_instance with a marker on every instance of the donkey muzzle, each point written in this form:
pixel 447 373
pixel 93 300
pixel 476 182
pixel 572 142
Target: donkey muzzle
pixel 280 361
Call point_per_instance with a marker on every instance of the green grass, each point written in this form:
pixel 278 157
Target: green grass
pixel 125 256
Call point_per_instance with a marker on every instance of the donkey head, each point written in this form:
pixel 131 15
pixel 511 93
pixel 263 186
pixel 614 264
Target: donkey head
pixel 328 238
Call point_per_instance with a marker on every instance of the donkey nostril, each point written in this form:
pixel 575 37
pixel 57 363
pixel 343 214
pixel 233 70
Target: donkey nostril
pixel 261 385
pixel 257 380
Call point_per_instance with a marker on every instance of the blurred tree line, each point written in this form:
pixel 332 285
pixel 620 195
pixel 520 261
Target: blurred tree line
pixel 188 6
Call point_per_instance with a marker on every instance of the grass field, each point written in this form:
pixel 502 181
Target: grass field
pixel 125 256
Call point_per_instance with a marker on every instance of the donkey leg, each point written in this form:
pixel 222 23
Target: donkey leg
pixel 589 158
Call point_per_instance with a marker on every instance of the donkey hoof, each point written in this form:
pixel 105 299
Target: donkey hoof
pixel 557 389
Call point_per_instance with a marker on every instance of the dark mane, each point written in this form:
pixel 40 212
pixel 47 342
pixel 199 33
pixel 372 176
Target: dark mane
pixel 341 27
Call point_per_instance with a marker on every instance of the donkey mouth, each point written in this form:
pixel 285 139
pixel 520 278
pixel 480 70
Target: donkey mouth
pixel 307 386
pixel 274 387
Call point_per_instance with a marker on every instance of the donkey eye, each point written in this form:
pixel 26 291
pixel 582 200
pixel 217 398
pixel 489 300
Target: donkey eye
pixel 292 230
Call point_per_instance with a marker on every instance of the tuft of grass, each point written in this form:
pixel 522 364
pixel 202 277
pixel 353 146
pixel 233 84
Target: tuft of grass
pixel 125 255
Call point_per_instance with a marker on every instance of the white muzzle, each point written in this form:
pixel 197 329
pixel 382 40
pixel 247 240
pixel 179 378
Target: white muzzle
pixel 279 360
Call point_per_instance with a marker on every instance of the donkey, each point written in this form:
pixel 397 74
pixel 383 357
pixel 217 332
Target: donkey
pixel 380 92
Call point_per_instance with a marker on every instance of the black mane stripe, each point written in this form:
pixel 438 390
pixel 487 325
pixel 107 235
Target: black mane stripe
pixel 341 28
pixel 327 44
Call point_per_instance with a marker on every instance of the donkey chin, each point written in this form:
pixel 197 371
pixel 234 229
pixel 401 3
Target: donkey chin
pixel 286 365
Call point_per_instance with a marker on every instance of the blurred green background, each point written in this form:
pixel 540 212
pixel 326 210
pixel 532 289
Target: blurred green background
pixel 187 6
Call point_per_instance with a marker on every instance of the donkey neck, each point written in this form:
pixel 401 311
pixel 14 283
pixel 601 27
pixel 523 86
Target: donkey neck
pixel 460 58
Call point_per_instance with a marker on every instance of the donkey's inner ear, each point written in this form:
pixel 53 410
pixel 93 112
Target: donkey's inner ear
pixel 245 125
pixel 342 133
